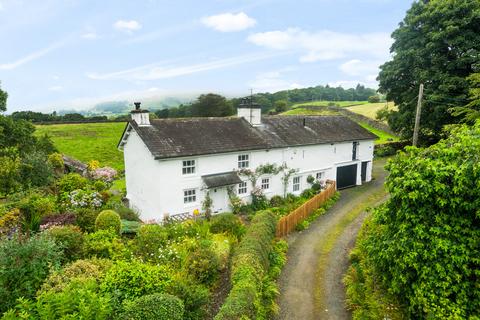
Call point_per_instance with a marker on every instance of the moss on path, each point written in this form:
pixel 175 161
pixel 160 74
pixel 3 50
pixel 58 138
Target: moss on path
pixel 311 282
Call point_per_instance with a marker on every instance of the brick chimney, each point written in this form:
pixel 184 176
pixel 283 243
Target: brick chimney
pixel 141 117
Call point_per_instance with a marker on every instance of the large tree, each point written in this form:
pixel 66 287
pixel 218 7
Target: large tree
pixel 3 99
pixel 437 44
pixel 212 105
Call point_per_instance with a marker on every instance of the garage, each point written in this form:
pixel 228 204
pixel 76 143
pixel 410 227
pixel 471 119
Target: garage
pixel 346 176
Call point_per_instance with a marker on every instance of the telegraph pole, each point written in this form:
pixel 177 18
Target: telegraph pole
pixel 417 117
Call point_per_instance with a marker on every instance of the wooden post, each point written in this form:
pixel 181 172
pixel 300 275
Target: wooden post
pixel 417 116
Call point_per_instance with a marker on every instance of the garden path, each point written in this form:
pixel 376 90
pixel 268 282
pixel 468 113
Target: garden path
pixel 311 282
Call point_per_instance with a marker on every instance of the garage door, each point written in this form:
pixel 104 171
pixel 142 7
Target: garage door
pixel 346 176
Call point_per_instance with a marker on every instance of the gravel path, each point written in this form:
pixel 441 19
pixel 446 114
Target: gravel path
pixel 311 281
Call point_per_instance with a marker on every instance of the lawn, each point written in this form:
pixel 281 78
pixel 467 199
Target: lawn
pixel 88 141
pixel 304 111
pixel 370 109
pixel 326 103
pixel 383 136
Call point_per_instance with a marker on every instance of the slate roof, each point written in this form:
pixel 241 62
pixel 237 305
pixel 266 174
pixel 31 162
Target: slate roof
pixel 170 138
pixel 221 179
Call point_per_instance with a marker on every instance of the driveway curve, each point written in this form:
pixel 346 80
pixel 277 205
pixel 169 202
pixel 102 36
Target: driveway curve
pixel 311 282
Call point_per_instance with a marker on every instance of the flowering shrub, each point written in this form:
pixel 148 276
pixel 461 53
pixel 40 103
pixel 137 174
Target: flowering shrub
pixel 84 199
pixel 54 220
pixel 106 174
pixel 9 222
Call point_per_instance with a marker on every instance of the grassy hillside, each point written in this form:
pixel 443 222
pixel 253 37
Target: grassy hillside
pixel 88 141
pixel 326 103
pixel 304 111
pixel 370 109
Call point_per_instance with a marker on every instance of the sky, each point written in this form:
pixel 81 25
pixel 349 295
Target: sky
pixel 76 53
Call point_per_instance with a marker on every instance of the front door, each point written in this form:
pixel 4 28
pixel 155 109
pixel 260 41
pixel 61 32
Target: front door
pixel 364 171
pixel 219 199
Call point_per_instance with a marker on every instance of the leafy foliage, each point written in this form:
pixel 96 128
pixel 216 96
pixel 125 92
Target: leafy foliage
pixel 433 264
pixel 437 44
pixel 155 306
pixel 229 223
pixel 108 219
pixel 69 239
pixel 24 265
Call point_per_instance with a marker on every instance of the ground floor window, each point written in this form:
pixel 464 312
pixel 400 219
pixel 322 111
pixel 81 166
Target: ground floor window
pixel 189 196
pixel 296 184
pixel 320 175
pixel 265 183
pixel 242 187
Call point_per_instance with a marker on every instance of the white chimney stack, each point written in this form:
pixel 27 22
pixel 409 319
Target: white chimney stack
pixel 141 117
pixel 250 111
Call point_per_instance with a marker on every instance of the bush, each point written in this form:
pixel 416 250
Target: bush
pixel 150 238
pixel 130 227
pixel 53 220
pixel 9 222
pixel 56 161
pixel 80 299
pixel 108 219
pixel 80 269
pixel 71 182
pixel 195 297
pixel 24 265
pixel 308 193
pixel 203 264
pixel 227 222
pixel 99 185
pixel 276 201
pixel 250 265
pixel 85 219
pixel 35 170
pixel 133 279
pixel 32 208
pixel 155 306
pixel 69 239
pixel 105 244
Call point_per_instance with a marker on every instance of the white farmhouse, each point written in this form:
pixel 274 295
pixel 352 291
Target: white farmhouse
pixel 171 164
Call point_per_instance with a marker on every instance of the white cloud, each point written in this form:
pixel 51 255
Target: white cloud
pixel 358 67
pixel 90 36
pixel 273 81
pixel 128 26
pixel 32 56
pixel 55 88
pixel 164 71
pixel 229 22
pixel 324 44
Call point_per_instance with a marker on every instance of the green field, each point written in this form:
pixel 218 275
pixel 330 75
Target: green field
pixel 88 141
pixel 383 136
pixel 326 103
pixel 304 111
pixel 370 109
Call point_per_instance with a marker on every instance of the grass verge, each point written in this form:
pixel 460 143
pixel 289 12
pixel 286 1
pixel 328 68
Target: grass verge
pixel 383 137
pixel 329 240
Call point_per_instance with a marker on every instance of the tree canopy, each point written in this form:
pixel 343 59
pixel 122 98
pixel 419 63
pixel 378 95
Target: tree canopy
pixel 425 244
pixel 3 100
pixel 437 44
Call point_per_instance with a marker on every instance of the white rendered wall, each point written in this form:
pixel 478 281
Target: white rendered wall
pixel 155 187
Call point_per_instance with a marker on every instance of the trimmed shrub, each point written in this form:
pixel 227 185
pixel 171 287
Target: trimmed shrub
pixel 69 239
pixel 155 306
pixel 99 185
pixel 133 279
pixel 24 265
pixel 227 222
pixel 276 201
pixel 250 265
pixel 85 219
pixel 108 219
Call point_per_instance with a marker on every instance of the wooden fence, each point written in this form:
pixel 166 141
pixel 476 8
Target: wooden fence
pixel 288 223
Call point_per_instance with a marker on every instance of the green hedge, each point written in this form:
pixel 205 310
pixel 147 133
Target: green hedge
pixel 155 306
pixel 250 264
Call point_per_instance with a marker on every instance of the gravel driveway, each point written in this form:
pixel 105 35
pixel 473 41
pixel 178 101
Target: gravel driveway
pixel 311 281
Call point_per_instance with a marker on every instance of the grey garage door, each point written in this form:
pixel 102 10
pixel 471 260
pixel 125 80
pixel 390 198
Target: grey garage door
pixel 346 176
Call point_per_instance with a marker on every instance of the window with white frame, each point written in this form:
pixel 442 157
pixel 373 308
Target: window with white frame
pixel 243 161
pixel 296 184
pixel 189 196
pixel 242 187
pixel 188 167
pixel 320 175
pixel 265 183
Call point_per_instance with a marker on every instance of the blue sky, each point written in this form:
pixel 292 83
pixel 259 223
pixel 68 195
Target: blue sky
pixel 75 53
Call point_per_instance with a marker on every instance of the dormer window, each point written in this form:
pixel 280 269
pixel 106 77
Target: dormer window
pixel 188 167
pixel 243 161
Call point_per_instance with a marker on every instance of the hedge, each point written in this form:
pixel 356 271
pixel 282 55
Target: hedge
pixel 250 264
